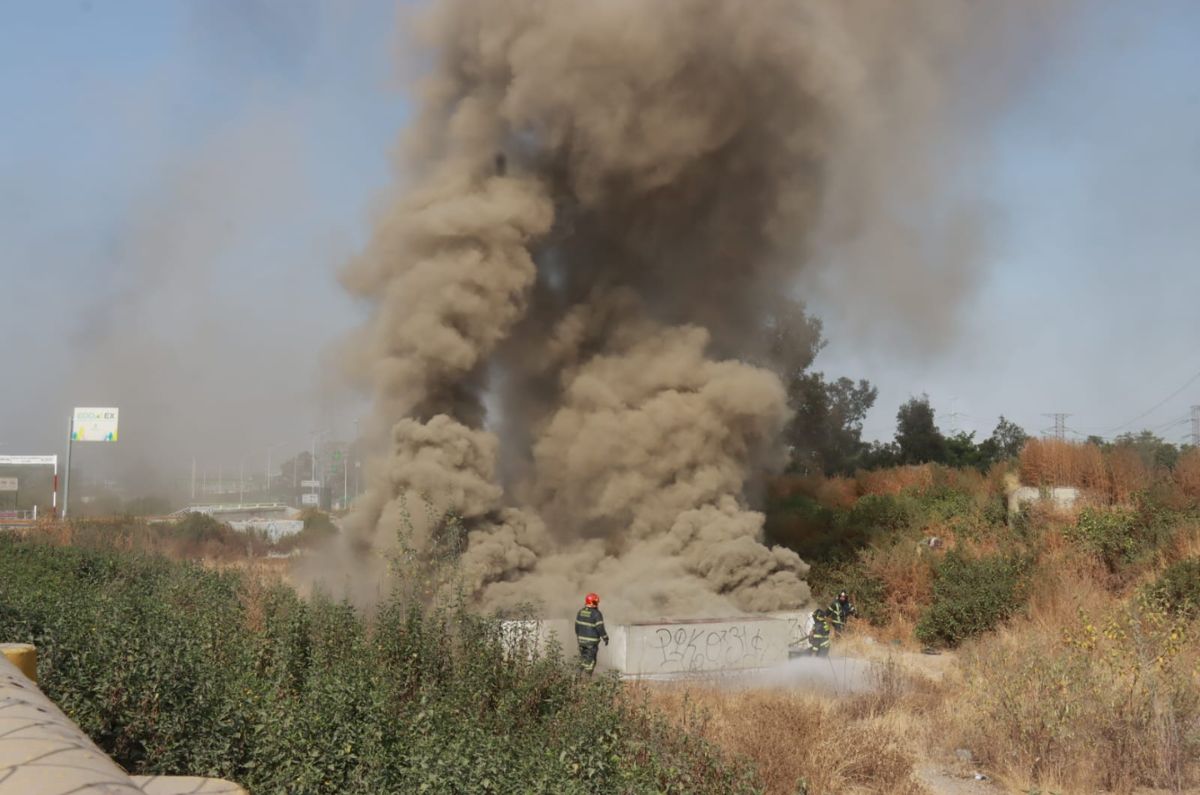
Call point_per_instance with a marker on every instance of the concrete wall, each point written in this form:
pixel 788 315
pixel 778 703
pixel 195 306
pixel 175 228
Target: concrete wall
pixel 673 647
pixel 799 625
pixel 705 645
pixel 1063 497
pixel 528 634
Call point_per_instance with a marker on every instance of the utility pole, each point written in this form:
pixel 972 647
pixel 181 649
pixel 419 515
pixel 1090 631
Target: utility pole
pixel 357 465
pixel 67 474
pixel 241 482
pixel 1195 426
pixel 193 478
pixel 269 472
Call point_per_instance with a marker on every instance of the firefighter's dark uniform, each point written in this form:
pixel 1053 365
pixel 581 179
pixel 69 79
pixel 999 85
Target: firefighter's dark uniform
pixel 589 631
pixel 840 612
pixel 818 638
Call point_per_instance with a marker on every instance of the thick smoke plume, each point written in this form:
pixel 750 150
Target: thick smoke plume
pixel 578 295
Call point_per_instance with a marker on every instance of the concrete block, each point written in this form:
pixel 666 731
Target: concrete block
pixel 704 645
pixel 799 625
pixel 1062 497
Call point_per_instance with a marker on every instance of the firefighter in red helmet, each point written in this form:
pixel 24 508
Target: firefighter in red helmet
pixel 589 631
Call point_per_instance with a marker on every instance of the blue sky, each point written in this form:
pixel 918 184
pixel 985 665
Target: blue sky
pixel 179 182
pixel 1089 304
pixel 177 179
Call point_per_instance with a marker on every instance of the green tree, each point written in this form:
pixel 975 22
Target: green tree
pixel 917 436
pixel 1008 438
pixel 826 432
pixel 961 451
pixel 1154 451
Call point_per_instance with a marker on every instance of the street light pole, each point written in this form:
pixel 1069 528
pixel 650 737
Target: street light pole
pixel 356 461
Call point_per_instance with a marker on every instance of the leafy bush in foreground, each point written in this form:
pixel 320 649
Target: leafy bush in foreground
pixel 175 669
pixel 971 596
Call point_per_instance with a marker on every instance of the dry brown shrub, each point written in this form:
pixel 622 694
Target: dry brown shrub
pixel 1053 462
pixel 1187 473
pixel 837 492
pixel 785 486
pixel 966 480
pixel 1185 544
pixel 795 738
pixel 1127 474
pixel 895 480
pixel 907 575
pixel 998 476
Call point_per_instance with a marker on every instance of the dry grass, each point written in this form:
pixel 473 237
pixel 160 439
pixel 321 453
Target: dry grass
pixel 895 480
pixel 835 492
pixel 1082 699
pixel 802 742
pixel 1187 473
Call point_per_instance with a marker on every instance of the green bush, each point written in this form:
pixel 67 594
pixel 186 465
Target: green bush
pixel 868 592
pixel 175 669
pixel 881 511
pixel 1177 589
pixel 1111 535
pixel 972 596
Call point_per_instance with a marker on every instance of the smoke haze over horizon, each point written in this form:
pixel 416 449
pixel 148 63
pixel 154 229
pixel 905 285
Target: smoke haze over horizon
pixel 181 182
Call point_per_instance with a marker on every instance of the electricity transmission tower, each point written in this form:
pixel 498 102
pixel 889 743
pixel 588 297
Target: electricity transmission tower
pixel 1060 425
pixel 1195 426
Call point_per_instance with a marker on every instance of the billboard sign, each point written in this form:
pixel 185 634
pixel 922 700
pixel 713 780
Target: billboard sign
pixel 310 484
pixel 8 484
pixel 308 499
pixel 94 425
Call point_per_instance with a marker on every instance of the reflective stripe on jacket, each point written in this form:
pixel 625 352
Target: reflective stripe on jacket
pixel 589 626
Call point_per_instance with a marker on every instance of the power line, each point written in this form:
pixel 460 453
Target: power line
pixel 1156 406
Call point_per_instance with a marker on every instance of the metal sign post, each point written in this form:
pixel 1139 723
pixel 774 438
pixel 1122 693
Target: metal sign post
pixel 67 471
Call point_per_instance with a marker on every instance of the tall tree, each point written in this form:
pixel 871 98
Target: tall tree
pixel 917 435
pixel 1008 438
pixel 1154 451
pixel 826 432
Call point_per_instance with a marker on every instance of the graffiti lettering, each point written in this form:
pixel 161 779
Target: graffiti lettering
pixel 699 649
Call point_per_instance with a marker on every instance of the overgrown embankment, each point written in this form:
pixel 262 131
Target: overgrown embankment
pixel 1076 628
pixel 173 668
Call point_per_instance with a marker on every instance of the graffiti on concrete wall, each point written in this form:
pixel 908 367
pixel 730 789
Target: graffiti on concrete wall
pixel 704 648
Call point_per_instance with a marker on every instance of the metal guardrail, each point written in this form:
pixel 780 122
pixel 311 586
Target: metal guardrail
pixel 233 507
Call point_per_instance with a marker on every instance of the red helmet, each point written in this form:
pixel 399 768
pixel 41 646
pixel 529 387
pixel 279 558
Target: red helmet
pixel 591 600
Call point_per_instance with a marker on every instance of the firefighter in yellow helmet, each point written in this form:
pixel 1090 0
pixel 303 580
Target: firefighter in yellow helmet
pixel 818 637
pixel 589 631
